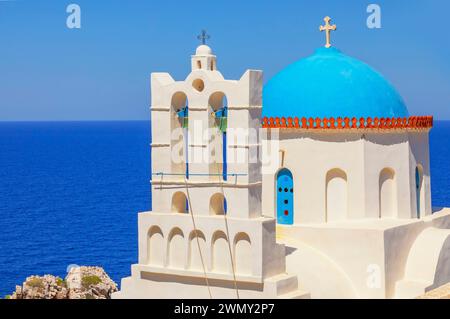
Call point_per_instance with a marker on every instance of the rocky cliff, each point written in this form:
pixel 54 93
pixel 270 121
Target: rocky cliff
pixel 80 283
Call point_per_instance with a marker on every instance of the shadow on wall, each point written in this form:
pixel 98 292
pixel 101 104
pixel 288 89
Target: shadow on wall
pixel 376 138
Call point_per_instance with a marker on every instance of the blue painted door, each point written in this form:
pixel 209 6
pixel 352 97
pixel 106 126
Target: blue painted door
pixel 285 197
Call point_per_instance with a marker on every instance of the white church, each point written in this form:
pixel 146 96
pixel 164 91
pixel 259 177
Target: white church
pixel 315 186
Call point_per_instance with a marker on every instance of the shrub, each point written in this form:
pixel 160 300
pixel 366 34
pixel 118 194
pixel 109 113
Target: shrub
pixel 60 282
pixel 35 282
pixel 8 297
pixel 87 281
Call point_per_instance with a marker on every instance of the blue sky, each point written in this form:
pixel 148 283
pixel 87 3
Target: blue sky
pixel 101 71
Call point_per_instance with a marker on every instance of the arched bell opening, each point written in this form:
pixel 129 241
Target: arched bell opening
pixel 179 134
pixel 218 110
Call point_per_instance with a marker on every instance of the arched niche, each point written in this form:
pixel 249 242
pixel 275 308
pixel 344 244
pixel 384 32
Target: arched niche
pixel 336 195
pixel 155 246
pixel 176 249
pixel 243 254
pixel 197 250
pixel 387 193
pixel 221 259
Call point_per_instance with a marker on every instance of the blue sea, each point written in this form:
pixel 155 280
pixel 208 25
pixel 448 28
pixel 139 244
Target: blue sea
pixel 70 193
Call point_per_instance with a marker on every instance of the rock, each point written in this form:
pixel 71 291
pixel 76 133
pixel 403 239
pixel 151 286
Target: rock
pixel 80 283
pixel 90 282
pixel 36 287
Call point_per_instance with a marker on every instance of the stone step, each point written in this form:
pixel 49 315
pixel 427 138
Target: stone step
pixel 297 294
pixel 282 284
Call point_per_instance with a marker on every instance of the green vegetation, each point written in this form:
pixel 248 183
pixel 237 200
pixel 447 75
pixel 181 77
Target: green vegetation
pixel 89 296
pixel 35 283
pixel 61 282
pixel 8 297
pixel 87 281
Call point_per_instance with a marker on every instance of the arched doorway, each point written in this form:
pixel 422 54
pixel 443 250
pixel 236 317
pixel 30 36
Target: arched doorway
pixel 285 197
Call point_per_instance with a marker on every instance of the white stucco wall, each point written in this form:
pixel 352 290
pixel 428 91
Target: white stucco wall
pixel 366 158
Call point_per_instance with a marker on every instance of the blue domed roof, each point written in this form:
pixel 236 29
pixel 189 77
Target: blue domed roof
pixel 331 84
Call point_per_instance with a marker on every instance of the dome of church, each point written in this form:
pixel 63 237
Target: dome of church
pixel 331 84
pixel 203 50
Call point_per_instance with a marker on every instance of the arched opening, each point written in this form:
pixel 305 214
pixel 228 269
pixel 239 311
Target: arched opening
pixel 243 254
pixel 218 110
pixel 176 249
pixel 179 130
pixel 221 259
pixel 336 195
pixel 217 204
pixel 388 193
pixel 155 246
pixel 196 239
pixel 179 203
pixel 420 194
pixel 285 197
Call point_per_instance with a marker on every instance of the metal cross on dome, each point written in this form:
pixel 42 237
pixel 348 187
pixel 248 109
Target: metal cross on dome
pixel 203 37
pixel 328 28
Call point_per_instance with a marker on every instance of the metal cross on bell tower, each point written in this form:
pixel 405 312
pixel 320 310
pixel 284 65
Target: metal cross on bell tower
pixel 203 37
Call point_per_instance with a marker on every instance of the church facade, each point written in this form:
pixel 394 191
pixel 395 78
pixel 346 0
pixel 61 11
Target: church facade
pixel 315 186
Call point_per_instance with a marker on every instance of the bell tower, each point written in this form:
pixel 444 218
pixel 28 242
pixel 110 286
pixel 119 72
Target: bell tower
pixel 206 236
pixel 203 58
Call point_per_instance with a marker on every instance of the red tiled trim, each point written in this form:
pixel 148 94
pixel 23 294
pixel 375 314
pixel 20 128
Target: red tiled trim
pixel 412 122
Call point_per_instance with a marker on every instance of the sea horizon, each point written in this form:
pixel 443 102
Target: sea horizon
pixel 70 194
pixel 69 121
